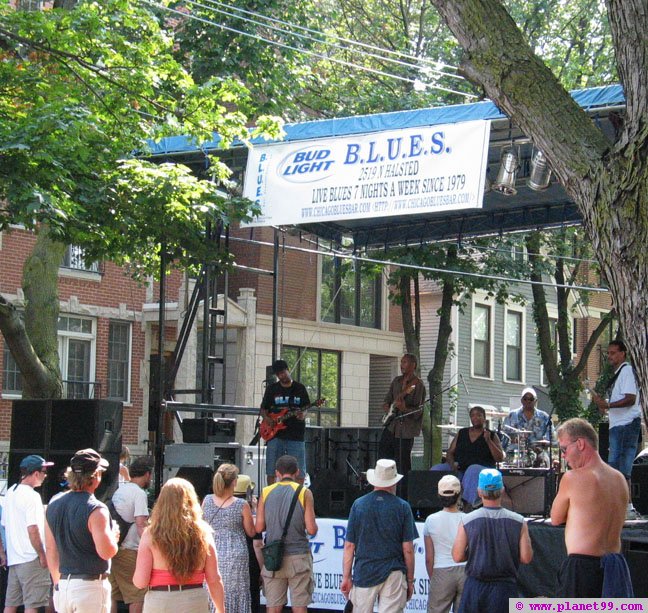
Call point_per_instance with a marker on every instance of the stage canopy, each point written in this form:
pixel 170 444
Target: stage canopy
pixel 527 209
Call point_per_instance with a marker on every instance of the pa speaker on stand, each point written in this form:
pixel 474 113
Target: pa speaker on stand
pixel 56 429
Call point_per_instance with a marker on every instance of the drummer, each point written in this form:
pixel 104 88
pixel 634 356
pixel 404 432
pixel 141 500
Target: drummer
pixel 533 420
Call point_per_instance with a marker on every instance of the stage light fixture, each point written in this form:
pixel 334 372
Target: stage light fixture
pixel 507 173
pixel 540 176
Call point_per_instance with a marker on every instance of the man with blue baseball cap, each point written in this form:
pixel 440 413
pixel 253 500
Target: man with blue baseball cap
pixel 23 516
pixel 494 541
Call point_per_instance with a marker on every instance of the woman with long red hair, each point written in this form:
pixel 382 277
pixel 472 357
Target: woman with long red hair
pixel 177 554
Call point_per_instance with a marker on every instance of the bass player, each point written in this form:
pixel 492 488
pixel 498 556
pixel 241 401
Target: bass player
pixel 281 398
pixel 404 399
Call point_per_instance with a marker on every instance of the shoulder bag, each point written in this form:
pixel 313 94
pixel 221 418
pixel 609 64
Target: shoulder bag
pixel 273 551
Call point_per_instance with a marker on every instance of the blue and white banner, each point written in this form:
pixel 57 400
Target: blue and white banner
pixel 397 172
pixel 327 547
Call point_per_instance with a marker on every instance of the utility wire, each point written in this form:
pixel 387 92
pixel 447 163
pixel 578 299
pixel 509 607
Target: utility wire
pixel 460 273
pixel 335 37
pixel 307 51
pixel 414 62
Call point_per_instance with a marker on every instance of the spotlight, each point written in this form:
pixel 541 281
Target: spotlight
pixel 540 172
pixel 507 173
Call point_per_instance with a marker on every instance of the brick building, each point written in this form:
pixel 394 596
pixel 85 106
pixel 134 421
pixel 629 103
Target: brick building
pixel 108 331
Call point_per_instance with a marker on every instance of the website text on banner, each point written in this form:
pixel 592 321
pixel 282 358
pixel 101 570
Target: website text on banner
pixel 396 172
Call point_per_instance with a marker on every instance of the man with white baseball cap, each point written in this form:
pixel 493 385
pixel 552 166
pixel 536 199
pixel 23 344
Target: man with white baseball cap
pixel 379 545
pixel 447 577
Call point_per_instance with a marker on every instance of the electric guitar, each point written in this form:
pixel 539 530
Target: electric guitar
pixel 393 412
pixel 269 431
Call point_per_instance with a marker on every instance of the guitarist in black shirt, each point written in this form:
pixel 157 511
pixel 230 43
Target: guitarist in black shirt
pixel 283 412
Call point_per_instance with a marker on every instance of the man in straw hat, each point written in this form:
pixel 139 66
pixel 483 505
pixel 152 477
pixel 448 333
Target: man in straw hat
pixel 494 541
pixel 379 545
pixel 80 539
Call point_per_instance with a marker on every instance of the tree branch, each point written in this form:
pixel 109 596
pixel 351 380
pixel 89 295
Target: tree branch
pixel 498 58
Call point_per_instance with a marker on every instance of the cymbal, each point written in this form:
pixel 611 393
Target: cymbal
pixel 512 429
pixel 542 443
pixel 448 426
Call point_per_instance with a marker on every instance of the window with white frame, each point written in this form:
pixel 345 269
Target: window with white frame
pixel 514 345
pixel 11 376
pixel 482 340
pixel 119 358
pixel 75 259
pixel 351 293
pixel 76 338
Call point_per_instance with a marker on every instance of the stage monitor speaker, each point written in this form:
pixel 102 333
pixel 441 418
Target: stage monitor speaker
pixel 422 489
pixel 528 491
pixel 639 486
pixel 56 429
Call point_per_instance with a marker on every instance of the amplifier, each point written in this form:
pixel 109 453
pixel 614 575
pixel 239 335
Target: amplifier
pixel 528 491
pixel 208 430
pixel 211 455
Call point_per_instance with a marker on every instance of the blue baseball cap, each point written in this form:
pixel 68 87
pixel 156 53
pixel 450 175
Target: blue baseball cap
pixel 32 463
pixel 490 480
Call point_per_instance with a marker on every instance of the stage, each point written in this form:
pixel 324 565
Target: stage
pixel 535 579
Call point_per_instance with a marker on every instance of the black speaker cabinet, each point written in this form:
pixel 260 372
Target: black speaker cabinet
pixel 604 439
pixel 209 430
pixel 636 555
pixel 333 494
pixel 639 486
pixel 200 477
pixel 422 489
pixel 56 429
pixel 315 441
pixel 528 491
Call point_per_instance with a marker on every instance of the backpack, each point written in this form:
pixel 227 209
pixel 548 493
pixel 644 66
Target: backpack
pixel 124 526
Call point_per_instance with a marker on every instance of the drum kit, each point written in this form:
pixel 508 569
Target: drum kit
pixel 520 452
pixel 523 453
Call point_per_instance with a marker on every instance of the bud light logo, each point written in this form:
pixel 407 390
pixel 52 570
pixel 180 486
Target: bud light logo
pixel 306 165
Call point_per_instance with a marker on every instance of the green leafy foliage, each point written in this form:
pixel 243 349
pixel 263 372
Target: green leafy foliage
pixel 83 90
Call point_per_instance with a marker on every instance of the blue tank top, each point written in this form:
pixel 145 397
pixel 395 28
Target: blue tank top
pixel 68 520
pixel 493 544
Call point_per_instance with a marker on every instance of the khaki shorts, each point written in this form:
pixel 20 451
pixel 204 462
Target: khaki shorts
pixel 121 577
pixel 28 584
pixel 296 574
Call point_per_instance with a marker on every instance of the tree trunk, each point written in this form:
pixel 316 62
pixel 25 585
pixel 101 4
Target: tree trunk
pixel 609 183
pixel 32 339
pixel 411 321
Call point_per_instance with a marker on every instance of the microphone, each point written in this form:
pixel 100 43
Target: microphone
pixel 464 384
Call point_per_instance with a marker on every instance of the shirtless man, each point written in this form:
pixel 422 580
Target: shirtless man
pixel 591 500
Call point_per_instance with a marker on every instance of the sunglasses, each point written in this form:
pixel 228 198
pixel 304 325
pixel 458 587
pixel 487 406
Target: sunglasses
pixel 528 398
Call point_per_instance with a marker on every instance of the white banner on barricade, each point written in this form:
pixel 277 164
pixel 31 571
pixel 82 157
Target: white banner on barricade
pixel 327 547
pixel 396 172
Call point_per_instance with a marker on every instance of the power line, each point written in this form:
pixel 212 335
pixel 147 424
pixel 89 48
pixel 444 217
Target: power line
pixel 413 63
pixel 460 273
pixel 307 51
